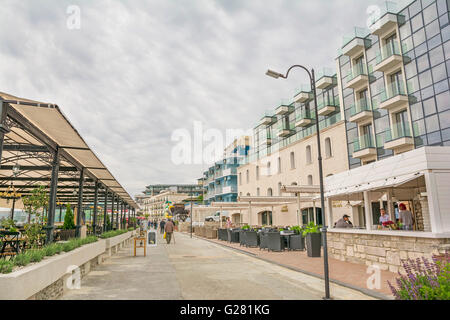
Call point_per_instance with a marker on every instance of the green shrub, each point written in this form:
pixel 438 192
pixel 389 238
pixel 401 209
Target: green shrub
pixel 69 219
pixel 36 255
pixel 22 259
pixel 311 228
pixel 111 234
pixel 6 266
pixel 50 250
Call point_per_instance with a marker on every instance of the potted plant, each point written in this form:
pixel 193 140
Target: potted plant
pixel 313 239
pixel 68 229
pixel 246 227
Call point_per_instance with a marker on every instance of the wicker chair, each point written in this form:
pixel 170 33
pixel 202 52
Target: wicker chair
pixel 251 239
pixel 275 242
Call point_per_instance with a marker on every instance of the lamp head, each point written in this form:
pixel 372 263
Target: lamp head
pixel 274 74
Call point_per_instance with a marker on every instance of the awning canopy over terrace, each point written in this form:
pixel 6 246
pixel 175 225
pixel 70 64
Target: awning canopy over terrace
pixel 33 133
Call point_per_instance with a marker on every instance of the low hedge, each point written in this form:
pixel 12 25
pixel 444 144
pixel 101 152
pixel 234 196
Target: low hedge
pixel 36 255
pixel 111 234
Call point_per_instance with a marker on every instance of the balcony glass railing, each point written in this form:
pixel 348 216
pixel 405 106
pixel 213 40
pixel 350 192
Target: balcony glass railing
pixel 399 130
pixel 325 72
pixel 322 103
pixel 389 50
pixel 357 70
pixel 303 88
pixel 357 33
pixel 387 7
pixel 363 142
pixel 361 105
pixel 305 114
pixel 393 89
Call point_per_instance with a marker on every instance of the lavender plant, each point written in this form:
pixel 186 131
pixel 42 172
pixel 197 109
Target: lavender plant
pixel 424 279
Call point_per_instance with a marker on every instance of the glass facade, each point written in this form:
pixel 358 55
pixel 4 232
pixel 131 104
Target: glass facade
pixel 420 44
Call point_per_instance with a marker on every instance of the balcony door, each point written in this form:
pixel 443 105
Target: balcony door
pixel 363 99
pixel 395 84
pixel 401 124
pixel 366 136
pixel 390 45
pixel 359 65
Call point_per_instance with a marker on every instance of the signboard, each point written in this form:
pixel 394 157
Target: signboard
pixel 151 238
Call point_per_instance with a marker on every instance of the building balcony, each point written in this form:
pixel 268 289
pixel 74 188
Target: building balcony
pixel 305 118
pixel 357 77
pixel 327 107
pixel 284 131
pixel 284 109
pixel 325 78
pixel 355 42
pixel 304 94
pixel 361 111
pixel 398 137
pixel 229 172
pixel 364 148
pixel 394 97
pixel 389 58
pixel 267 120
pixel 386 20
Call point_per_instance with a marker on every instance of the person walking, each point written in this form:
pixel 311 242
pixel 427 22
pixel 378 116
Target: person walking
pixel 405 217
pixel 168 228
pixel 161 225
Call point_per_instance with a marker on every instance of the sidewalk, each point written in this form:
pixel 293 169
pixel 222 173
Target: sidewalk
pixel 344 273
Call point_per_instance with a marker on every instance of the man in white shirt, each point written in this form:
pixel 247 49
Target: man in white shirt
pixel 384 217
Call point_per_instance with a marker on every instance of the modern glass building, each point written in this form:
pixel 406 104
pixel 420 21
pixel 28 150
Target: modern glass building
pixel 221 179
pixel 194 190
pixel 394 80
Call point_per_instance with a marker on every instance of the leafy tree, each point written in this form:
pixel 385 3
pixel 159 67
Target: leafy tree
pixel 69 218
pixel 34 205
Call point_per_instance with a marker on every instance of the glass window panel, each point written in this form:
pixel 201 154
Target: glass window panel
pixel 430 14
pixel 405 30
pixel 434 138
pixel 429 107
pixel 419 128
pixel 415 8
pixel 445 134
pixel 432 123
pixel 416 111
pixel 441 6
pixel 422 63
pixel 445 33
pixel 427 92
pixel 441 86
pixel 425 3
pixel 436 56
pixel 413 84
pixel 425 79
pixel 407 44
pixel 435 41
pixel 420 141
pixel 432 29
pixel 443 101
pixel 444 119
pixel 439 72
pixel 416 23
pixel 410 70
pixel 420 50
pixel 447 50
pixel 444 20
pixel 419 37
pixel 382 124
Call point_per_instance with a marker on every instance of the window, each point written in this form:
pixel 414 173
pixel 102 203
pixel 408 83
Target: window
pixel 310 180
pixel 279 189
pixel 248 194
pixel 279 165
pixel 292 157
pixel 247 174
pixel 257 172
pixel 269 192
pixel 240 178
pixel 268 169
pixel 328 151
pixel 308 155
pixel 257 192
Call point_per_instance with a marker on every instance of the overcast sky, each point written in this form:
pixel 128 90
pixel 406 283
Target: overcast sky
pixel 137 70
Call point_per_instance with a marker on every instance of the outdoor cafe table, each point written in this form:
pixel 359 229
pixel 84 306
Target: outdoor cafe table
pixel 11 241
pixel 287 236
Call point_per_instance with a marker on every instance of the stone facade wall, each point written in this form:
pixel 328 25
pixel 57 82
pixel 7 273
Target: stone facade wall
pixel 384 250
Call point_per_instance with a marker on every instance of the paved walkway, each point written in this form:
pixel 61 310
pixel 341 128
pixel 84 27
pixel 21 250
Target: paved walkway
pixel 345 272
pixel 199 270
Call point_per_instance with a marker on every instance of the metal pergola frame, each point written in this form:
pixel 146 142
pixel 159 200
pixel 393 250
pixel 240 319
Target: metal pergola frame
pixel 40 147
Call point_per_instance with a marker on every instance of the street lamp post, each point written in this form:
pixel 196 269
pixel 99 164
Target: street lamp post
pixel 192 216
pixel 311 75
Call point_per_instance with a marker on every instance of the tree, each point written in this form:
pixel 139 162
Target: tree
pixel 69 218
pixel 34 205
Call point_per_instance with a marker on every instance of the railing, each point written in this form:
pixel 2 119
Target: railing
pixel 305 114
pixel 399 130
pixel 325 72
pixel 361 105
pixel 334 102
pixel 389 50
pixel 363 142
pixel 387 7
pixel 393 89
pixel 357 33
pixel 303 88
pixel 357 70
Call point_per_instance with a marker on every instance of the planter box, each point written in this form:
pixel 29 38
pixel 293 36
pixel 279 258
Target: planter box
pixel 313 241
pixel 114 241
pixel 28 281
pixel 65 235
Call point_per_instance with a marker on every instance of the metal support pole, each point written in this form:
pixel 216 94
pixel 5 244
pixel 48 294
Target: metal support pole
pixel 192 213
pixel 112 210
pixel 121 216
pixel 105 211
pixel 3 127
pixel 52 200
pixel 94 223
pixel 322 196
pixel 80 204
pixel 60 212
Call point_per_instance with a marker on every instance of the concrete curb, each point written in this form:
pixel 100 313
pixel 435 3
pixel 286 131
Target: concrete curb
pixel 368 292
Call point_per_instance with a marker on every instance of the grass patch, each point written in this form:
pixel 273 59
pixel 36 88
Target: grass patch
pixel 6 266
pixel 111 234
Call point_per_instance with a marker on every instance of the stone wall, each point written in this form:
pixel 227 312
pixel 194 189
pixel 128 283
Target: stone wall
pixel 386 251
